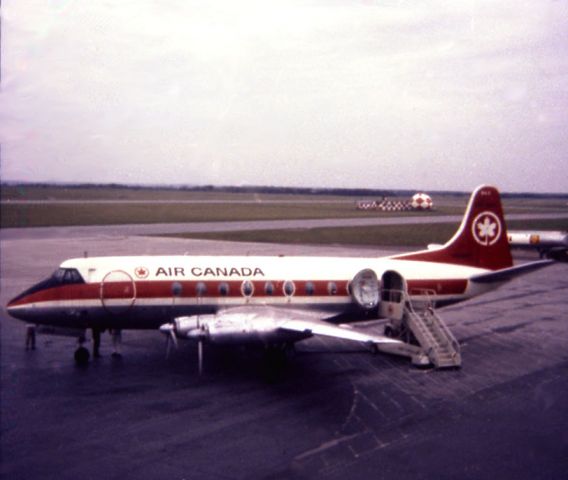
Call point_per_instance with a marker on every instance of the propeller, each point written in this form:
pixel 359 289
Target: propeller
pixel 186 327
pixel 168 329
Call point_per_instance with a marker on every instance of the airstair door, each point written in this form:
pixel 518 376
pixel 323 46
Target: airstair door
pixel 393 295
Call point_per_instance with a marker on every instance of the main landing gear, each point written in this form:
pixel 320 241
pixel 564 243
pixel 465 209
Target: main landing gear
pixel 82 355
pixel 276 358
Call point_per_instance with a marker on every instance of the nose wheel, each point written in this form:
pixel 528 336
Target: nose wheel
pixel 82 355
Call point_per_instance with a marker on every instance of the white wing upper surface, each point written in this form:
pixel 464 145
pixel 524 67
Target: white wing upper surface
pixel 345 332
pixel 270 322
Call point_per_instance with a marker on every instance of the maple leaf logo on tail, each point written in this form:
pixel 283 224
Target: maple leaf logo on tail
pixel 486 229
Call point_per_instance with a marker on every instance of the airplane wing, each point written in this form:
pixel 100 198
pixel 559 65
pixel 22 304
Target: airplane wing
pixel 246 323
pixel 345 332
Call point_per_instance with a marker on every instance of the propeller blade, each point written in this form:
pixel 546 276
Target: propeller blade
pixel 174 337
pixel 171 338
pixel 200 355
pixel 168 346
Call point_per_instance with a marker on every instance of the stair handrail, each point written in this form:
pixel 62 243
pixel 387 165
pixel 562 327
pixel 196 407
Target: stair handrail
pixel 447 332
pixel 431 311
pixel 429 293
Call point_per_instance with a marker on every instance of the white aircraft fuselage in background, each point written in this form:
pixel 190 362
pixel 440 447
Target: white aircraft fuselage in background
pixel 549 243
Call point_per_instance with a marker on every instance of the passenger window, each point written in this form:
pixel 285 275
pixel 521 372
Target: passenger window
pixel 310 289
pixel 224 289
pixel 332 288
pixel 200 289
pixel 247 288
pixel 269 288
pixel 289 288
pixel 176 289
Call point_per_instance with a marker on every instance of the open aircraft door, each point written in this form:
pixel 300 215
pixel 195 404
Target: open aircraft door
pixel 118 292
pixel 393 295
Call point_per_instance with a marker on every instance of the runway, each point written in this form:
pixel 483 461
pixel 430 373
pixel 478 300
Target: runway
pixel 334 412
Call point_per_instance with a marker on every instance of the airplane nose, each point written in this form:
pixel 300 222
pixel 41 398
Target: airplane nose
pixel 11 309
pixel 15 309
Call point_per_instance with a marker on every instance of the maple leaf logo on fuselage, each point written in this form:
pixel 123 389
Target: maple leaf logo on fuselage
pixel 141 272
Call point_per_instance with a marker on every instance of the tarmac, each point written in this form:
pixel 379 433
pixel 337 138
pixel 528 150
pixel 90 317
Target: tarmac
pixel 334 411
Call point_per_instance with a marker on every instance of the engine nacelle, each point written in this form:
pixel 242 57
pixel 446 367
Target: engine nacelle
pixel 219 328
pixel 184 326
pixel 230 327
pixel 242 327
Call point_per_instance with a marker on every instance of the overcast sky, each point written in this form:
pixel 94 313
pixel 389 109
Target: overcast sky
pixel 371 94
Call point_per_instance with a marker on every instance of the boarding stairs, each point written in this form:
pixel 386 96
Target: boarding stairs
pixel 418 322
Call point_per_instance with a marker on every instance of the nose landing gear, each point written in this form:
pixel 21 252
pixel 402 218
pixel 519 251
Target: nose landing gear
pixel 81 354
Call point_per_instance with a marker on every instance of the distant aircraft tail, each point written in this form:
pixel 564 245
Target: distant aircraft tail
pixel 481 241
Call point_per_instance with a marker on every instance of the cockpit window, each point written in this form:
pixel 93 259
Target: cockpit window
pixel 65 276
pixel 71 275
pixel 58 275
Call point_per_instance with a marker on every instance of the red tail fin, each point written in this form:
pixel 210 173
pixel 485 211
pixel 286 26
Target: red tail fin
pixel 481 240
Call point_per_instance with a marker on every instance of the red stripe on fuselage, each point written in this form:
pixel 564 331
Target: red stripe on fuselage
pixel 189 289
pixel 64 292
pixel 439 287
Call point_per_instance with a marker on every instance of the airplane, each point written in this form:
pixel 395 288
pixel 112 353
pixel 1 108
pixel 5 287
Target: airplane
pixel 548 243
pixel 276 301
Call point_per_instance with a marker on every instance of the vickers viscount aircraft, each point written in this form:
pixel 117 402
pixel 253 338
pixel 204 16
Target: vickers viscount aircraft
pixel 277 301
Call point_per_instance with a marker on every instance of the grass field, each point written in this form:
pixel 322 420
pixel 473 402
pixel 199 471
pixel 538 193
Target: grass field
pixel 107 193
pixel 385 235
pixel 40 215
pixel 23 215
pixel 36 206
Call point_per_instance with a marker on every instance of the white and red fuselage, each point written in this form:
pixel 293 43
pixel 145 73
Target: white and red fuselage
pixel 148 291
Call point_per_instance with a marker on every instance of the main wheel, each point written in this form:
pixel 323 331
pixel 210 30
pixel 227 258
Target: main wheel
pixel 391 332
pixel 82 356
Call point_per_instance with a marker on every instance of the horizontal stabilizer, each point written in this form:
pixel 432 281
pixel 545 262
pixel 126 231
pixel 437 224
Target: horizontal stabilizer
pixel 507 274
